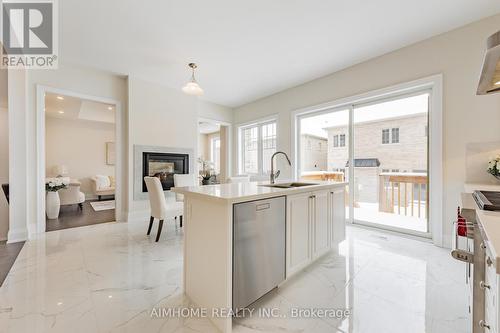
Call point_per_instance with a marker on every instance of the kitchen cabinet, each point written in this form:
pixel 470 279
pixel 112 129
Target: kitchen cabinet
pixel 298 231
pixel 320 223
pixel 490 287
pixel 337 216
pixel 315 225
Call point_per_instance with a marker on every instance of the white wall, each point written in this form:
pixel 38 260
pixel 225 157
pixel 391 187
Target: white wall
pixel 203 148
pixel 81 146
pixel 162 116
pixel 4 171
pixel 467 118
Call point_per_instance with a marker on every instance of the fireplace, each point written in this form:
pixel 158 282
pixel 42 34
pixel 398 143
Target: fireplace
pixel 163 166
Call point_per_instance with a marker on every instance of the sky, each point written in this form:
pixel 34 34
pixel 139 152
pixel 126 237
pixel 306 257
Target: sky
pixel 396 108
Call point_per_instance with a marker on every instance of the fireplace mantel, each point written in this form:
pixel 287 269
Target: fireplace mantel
pixel 138 164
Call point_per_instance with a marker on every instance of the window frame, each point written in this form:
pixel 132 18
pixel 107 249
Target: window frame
pixel 260 147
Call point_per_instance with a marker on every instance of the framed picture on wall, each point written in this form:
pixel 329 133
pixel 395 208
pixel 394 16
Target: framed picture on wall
pixel 110 153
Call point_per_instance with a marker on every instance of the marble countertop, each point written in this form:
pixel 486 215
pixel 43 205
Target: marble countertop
pixel 490 222
pixel 239 192
pixel 471 187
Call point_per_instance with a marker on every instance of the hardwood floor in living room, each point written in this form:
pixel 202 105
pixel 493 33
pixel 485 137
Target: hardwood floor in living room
pixel 71 217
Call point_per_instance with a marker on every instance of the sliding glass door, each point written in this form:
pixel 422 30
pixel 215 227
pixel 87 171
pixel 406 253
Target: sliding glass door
pixel 380 147
pixel 390 160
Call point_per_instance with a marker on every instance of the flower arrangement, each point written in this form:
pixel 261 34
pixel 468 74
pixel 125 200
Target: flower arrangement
pixel 494 167
pixel 206 170
pixel 55 184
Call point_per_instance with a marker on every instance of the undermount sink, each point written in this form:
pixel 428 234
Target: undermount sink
pixel 289 185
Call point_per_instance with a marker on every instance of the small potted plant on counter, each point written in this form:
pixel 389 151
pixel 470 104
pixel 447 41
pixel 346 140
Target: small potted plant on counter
pixel 52 200
pixel 206 171
pixel 494 167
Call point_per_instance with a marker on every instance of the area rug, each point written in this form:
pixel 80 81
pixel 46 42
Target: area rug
pixel 103 205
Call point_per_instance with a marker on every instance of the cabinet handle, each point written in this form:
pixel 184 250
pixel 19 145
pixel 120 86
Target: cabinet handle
pixel 483 285
pixel 488 261
pixel 483 324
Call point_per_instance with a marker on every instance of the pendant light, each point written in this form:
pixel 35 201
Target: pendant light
pixel 192 87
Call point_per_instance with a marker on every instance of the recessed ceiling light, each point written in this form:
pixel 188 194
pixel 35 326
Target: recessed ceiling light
pixel 110 108
pixel 497 83
pixel 60 98
pixel 60 112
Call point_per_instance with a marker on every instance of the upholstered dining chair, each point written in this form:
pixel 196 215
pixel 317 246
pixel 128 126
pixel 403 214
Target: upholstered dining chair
pixel 183 180
pixel 159 208
pixel 239 179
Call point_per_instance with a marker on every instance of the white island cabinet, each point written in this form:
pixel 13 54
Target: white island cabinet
pixel 314 225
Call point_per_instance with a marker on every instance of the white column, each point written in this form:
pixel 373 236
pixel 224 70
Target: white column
pixel 18 150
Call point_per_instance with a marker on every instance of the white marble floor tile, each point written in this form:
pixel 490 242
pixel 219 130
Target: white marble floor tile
pixel 109 278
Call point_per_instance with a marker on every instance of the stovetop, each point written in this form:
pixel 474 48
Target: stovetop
pixel 487 200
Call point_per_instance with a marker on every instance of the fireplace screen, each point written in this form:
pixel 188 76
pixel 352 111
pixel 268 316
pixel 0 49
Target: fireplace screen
pixel 164 166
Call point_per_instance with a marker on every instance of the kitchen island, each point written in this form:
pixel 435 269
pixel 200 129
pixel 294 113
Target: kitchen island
pixel 304 221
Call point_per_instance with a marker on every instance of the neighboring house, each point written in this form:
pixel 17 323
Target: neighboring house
pixel 392 145
pixel 400 144
pixel 313 152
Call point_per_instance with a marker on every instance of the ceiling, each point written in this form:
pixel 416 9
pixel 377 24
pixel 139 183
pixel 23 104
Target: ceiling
pixel 249 49
pixel 67 107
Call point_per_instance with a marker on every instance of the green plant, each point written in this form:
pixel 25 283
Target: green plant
pixel 494 166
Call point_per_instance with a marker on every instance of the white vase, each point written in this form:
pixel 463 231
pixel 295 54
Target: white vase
pixel 52 205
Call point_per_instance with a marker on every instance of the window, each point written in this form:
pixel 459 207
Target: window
pixel 395 135
pixel 385 136
pixel 268 146
pixel 258 144
pixel 390 135
pixel 339 140
pixel 215 153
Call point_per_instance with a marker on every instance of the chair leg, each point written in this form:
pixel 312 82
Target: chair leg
pixel 180 220
pixel 150 224
pixel 159 230
pixel 80 205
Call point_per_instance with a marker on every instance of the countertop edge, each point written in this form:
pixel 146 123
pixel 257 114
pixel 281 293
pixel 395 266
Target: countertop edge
pixel 275 193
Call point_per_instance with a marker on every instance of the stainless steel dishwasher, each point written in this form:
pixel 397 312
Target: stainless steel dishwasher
pixel 258 249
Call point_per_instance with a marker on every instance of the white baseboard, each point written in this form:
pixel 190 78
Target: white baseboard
pixel 17 235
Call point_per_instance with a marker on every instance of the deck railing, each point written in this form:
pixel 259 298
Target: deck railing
pixel 400 192
pixel 323 175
